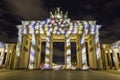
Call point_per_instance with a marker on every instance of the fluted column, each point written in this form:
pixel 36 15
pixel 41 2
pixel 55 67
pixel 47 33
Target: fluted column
pixel 32 53
pixel 38 51
pixel 98 51
pixel 115 58
pixel 78 53
pixel 18 47
pixel 67 52
pixel 83 49
pixel 48 51
pixel 109 58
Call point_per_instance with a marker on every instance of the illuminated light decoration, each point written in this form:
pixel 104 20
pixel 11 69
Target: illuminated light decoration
pixel 58 24
pixel 32 23
pixel 47 45
pixel 41 27
pixel 62 31
pixel 48 41
pixel 92 26
pixel 50 29
pixel 46 27
pixel 68 51
pixel 25 29
pixel 68 44
pixel 31 27
pixel 41 31
pixel 97 41
pixel 66 24
pixel 47 60
pixel 75 29
pixel 52 21
pixel 85 23
pixel 47 50
pixel 82 39
pixel 37 28
pixel 84 58
pixel 71 28
pixel 92 29
pixel 50 25
pixel 58 33
pixel 32 52
pixel 114 58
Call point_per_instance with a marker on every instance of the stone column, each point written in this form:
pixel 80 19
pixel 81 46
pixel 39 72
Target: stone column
pixel 12 56
pixel 67 52
pixel 32 53
pixel 78 53
pixel 106 61
pixel 18 47
pixel 94 56
pixel 48 51
pixel 38 51
pixel 2 56
pixel 51 52
pixel 7 58
pixel 83 52
pixel 109 58
pixel 97 46
pixel 115 58
pixel 103 57
pixel 90 52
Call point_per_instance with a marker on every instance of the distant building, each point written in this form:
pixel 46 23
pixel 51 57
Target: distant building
pixel 58 28
pixel 111 55
pixel 7 55
pixel 2 51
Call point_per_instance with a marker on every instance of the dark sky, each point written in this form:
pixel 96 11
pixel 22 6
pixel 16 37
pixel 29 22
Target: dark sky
pixel 106 12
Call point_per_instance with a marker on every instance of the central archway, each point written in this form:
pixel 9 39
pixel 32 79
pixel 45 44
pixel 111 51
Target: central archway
pixel 58 53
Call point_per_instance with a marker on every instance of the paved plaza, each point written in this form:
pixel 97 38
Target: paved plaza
pixel 59 75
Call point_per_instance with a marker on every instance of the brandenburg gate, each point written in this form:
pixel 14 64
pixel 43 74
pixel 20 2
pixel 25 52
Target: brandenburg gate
pixel 58 28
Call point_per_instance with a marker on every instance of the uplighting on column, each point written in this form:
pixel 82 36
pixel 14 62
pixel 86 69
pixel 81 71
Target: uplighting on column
pixel 86 25
pixel 47 50
pixel 18 47
pixel 92 26
pixel 25 26
pixel 68 50
pixel 75 28
pixel 41 28
pixel 32 49
pixel 37 28
pixel 83 48
pixel 97 41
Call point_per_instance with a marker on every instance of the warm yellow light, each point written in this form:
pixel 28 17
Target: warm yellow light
pixel 110 51
pixel 104 46
pixel 106 51
pixel 10 51
pixel 6 50
pixel 80 32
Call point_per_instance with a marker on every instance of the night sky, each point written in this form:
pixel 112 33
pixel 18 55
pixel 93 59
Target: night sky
pixel 107 13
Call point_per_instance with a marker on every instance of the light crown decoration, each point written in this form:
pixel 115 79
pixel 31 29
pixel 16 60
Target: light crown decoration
pixel 58 14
